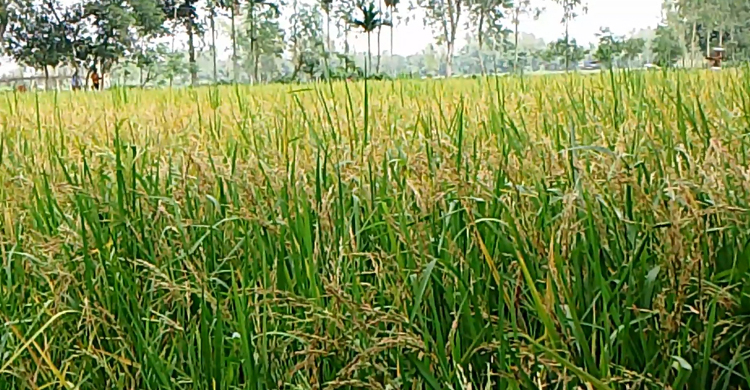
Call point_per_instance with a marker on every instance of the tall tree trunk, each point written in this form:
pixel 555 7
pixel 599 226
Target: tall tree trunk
pixel 346 40
pixel 212 11
pixel 3 19
pixel 191 54
pixel 708 43
pixel 254 46
pixel 235 68
pixel 567 47
pixel 256 73
pixel 515 38
pixel 252 43
pixel 377 66
pixel 449 60
pixel 393 27
pixel 480 39
pixel 692 44
pixel 380 28
pixel 329 41
pixel 494 56
pixel 368 64
pixel 46 78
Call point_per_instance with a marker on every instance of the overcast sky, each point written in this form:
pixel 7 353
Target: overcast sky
pixel 622 17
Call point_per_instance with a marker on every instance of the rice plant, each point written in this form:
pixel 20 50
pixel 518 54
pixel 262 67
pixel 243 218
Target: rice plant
pixel 557 232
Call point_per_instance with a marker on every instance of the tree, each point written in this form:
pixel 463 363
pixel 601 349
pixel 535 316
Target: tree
pixel 666 46
pixel 380 30
pixel 609 48
pixel 344 12
pixel 305 40
pixel 106 38
pixel 569 51
pixel 632 48
pixel 148 60
pixel 569 14
pixel 253 20
pixel 233 6
pixel 444 17
pixel 105 32
pixel 38 34
pixel 520 8
pixel 3 17
pixel 370 21
pixel 430 63
pixel 689 11
pixel 327 7
pixel 487 18
pixel 212 13
pixel 175 67
pixel 263 35
pixel 184 13
pixel 392 6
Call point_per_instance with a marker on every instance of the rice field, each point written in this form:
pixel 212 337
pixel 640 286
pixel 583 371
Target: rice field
pixel 551 232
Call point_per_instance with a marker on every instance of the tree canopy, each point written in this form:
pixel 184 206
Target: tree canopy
pixel 293 40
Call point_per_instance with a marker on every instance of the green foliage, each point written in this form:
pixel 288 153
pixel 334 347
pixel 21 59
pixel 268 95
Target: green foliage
pixel 487 18
pixel 86 34
pixel 261 37
pixel 704 24
pixel 568 51
pixel 174 66
pixel 632 48
pixel 305 39
pixel 666 46
pixel 39 34
pixel 370 20
pixel 570 13
pixel 610 47
pixel 444 18
pixel 370 17
pixel 107 37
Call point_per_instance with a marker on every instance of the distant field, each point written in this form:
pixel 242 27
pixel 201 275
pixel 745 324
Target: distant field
pixel 556 232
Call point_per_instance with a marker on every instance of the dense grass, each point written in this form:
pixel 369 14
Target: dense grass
pixel 561 232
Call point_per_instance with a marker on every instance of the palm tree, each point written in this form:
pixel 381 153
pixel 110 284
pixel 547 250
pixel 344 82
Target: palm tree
pixel 391 5
pixel 371 20
pixel 327 6
pixel 380 29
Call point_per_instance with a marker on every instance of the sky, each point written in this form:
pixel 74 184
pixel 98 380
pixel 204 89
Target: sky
pixel 622 17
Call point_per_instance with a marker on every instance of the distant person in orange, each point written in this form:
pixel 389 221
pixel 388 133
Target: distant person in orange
pixel 95 80
pixel 714 61
pixel 21 88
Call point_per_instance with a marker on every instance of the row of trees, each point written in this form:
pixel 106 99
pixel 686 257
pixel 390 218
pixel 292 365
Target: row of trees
pixel 689 31
pixel 693 27
pixel 89 34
